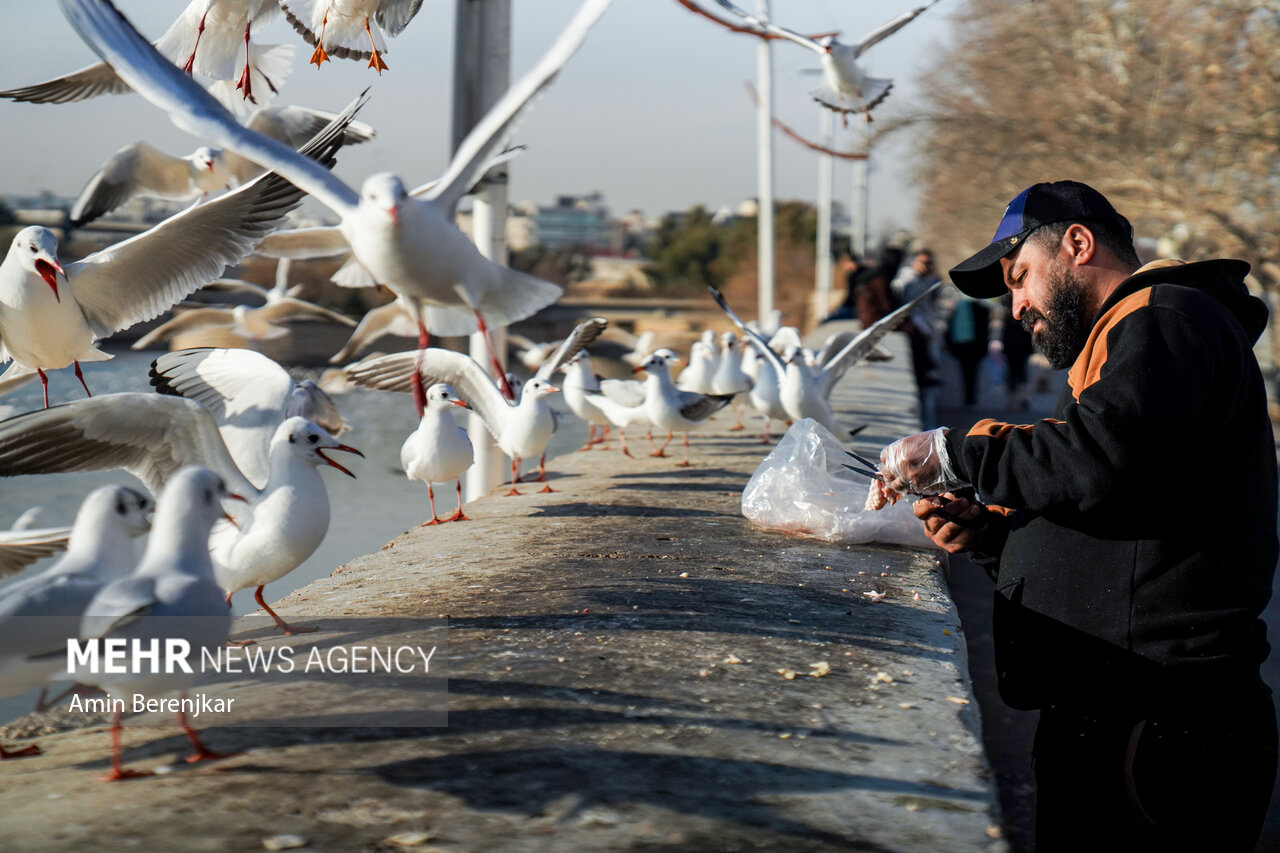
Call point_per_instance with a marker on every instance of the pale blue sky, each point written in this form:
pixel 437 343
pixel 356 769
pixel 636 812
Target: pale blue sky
pixel 651 111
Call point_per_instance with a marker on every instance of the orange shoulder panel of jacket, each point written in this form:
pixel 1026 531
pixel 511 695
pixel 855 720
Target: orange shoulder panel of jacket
pixel 1087 368
pixel 995 429
pixel 1000 510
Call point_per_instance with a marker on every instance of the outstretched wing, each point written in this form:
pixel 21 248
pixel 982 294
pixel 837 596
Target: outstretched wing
pixel 579 339
pixel 148 435
pixel 468 378
pixel 761 344
pixel 21 548
pixel 865 342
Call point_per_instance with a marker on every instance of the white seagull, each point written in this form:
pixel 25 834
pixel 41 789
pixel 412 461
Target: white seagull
pixel 38 614
pixel 152 435
pixel 249 396
pixel 340 27
pixel 409 244
pixel 521 430
pixel 44 327
pixel 438 450
pixel 674 410
pixel 729 377
pixel 142 169
pixel 252 324
pixel 172 595
pixel 214 29
pixel 579 382
pixel 846 89
pixel 804 394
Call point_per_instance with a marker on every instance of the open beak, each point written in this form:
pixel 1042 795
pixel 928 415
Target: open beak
pixel 320 452
pixel 49 272
pixel 553 389
pixel 461 405
pixel 637 369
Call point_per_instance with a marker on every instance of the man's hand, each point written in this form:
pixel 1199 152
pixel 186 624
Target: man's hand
pixel 954 524
pixel 918 464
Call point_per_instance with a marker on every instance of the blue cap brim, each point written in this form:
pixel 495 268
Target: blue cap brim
pixel 980 275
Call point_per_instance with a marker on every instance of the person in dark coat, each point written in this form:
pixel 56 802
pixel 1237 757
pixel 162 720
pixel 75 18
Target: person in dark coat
pixel 968 335
pixel 1132 536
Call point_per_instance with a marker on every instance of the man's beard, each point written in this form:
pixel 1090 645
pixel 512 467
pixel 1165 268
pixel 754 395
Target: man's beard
pixel 1063 332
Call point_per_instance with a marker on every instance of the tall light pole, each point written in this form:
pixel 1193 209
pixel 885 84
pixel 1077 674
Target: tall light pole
pixel 822 286
pixel 481 74
pixel 764 155
pixel 858 209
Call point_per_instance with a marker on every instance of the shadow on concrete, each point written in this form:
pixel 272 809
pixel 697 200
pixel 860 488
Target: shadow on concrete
pixel 734 791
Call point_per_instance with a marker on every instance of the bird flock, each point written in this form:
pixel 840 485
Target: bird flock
pixel 230 448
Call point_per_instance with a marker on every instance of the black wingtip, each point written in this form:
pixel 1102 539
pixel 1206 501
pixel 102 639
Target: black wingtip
pixel 718 296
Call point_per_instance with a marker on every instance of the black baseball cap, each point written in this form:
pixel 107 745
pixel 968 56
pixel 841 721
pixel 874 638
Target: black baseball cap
pixel 1039 204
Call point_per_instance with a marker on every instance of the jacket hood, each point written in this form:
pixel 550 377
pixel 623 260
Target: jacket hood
pixel 1223 279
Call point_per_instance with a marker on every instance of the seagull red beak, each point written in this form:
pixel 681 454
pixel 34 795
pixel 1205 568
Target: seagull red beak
pixel 637 369
pixel 320 452
pixel 461 404
pixel 394 213
pixel 48 271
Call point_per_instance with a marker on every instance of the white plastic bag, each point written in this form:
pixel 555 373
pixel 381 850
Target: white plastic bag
pixel 803 487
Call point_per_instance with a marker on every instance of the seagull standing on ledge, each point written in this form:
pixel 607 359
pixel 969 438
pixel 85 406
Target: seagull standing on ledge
pixel 171 595
pixel 438 450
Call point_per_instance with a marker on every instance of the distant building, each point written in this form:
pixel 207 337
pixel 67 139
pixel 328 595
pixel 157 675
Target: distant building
pixel 578 222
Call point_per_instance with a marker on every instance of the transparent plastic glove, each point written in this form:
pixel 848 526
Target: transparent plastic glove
pixel 918 464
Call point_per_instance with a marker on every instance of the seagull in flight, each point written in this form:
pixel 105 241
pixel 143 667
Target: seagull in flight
pixel 846 89
pixel 335 26
pixel 142 169
pixel 407 243
pixel 45 325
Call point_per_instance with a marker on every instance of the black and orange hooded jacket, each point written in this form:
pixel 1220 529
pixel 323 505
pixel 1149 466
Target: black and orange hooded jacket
pixel 1141 517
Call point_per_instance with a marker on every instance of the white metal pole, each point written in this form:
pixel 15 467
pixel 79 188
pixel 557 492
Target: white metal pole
pixel 858 210
pixel 822 287
pixel 481 73
pixel 764 154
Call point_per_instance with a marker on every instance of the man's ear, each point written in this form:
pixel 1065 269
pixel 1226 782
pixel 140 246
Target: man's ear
pixel 1079 244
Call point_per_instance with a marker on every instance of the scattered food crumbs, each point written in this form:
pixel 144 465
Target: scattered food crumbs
pixel 788 674
pixel 993 832
pixel 906 673
pixel 862 573
pixel 704 700
pixel 283 842
pixel 913 806
pixel 684 574
pixel 703 673
pixel 884 574
pixel 874 596
pixel 820 669
pixel 410 839
pixel 883 676
pixel 559 660
pixel 794 621
pixel 906 706
pixel 733 659
pixel 959 700
pixel 164 769
pixel 637 606
pixel 945 631
pixel 784 736
pixel 817 706
pixel 829 568
pixel 915 597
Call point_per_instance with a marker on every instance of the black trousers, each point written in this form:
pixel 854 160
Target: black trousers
pixel 1184 780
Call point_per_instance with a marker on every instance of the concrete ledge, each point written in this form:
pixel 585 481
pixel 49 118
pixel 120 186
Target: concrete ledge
pixel 618 654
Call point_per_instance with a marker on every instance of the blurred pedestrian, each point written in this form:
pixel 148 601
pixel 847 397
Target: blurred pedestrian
pixel 967 336
pixel 1015 341
pixel 924 330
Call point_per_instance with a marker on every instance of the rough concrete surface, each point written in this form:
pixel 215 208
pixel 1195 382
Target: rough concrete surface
pixel 617 660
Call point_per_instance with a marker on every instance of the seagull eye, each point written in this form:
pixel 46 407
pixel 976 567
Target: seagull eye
pixel 208 496
pixel 313 438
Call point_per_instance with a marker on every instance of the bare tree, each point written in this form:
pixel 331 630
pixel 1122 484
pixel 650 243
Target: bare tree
pixel 1170 107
